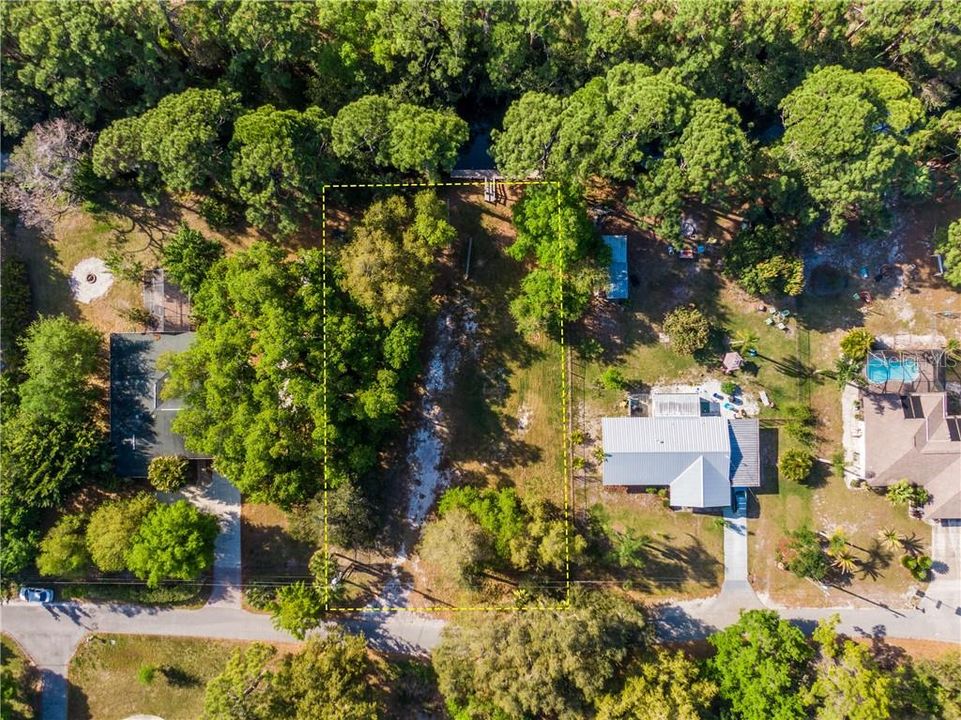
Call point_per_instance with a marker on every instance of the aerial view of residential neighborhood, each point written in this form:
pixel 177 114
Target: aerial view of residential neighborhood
pixel 480 360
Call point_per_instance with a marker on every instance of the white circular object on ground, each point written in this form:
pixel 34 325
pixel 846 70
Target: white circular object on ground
pixel 90 280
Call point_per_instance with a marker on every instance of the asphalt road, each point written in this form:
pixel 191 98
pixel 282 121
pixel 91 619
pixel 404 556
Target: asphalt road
pixel 50 634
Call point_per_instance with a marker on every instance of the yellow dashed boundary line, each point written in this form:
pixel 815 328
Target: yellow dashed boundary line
pixel 565 418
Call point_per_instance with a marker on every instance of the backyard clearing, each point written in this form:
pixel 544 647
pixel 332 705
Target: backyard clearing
pixel 128 227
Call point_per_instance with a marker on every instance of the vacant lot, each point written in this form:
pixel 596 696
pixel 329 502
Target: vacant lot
pixel 105 684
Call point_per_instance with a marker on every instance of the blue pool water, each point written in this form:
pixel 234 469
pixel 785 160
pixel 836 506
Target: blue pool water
pixel 879 370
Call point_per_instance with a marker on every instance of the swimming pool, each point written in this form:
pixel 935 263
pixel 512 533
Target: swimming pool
pixel 880 370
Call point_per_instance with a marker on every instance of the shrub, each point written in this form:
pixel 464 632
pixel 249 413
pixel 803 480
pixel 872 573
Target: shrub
pixel 146 674
pixel 950 247
pixel 112 528
pixel 611 379
pixel 918 565
pixel 217 213
pixel 904 492
pixel 168 473
pixel 796 465
pixel 688 330
pixel 729 387
pixel 856 344
pixel 260 597
pixel 803 555
pixel 800 424
pixel 297 609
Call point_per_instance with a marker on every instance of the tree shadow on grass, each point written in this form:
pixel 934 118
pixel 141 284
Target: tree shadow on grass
pixel 180 678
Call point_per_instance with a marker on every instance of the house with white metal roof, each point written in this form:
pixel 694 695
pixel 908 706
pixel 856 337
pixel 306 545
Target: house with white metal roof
pixel 698 458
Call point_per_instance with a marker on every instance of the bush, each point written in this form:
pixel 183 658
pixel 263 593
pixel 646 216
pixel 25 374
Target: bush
pixel 297 609
pixel 217 213
pixel 146 674
pixel 803 555
pixel 856 344
pixel 729 387
pixel 904 492
pixel 112 528
pixel 168 473
pixel 688 330
pixel 796 465
pixel 800 423
pixel 611 379
pixel 949 245
pixel 260 597
pixel 918 565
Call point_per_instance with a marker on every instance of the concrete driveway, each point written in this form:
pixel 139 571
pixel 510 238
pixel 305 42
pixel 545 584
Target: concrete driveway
pixel 218 497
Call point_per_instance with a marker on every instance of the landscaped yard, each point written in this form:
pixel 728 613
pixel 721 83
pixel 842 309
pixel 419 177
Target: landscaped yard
pixel 790 368
pixel 105 676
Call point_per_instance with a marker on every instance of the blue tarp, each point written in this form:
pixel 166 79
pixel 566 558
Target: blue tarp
pixel 618 269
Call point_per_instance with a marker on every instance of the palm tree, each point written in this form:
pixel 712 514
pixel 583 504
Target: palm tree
pixel 953 349
pixel 745 340
pixel 845 562
pixel 837 543
pixel 890 538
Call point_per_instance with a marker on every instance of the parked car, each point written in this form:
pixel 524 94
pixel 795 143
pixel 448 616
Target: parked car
pixel 36 595
pixel 740 501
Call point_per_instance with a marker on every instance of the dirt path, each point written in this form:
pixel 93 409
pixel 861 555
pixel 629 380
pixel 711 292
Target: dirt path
pixel 453 328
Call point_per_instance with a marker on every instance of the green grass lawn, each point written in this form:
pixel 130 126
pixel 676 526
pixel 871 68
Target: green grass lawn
pixel 14 660
pixel 104 682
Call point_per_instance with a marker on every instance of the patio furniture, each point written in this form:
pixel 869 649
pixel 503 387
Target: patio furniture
pixel 785 313
pixel 764 399
pixel 769 321
pixel 728 406
pixel 781 326
pixel 772 310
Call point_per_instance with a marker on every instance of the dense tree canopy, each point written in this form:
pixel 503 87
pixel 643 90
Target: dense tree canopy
pixel 556 235
pixel 279 164
pixel 173 542
pixel 188 256
pixel 330 677
pixel 538 664
pixel 760 664
pixel 846 137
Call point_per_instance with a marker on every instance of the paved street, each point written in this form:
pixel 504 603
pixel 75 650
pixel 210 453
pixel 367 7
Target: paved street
pixel 51 634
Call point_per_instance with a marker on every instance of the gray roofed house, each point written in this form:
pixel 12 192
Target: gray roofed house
pixel 913 437
pixel 698 458
pixel 140 419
